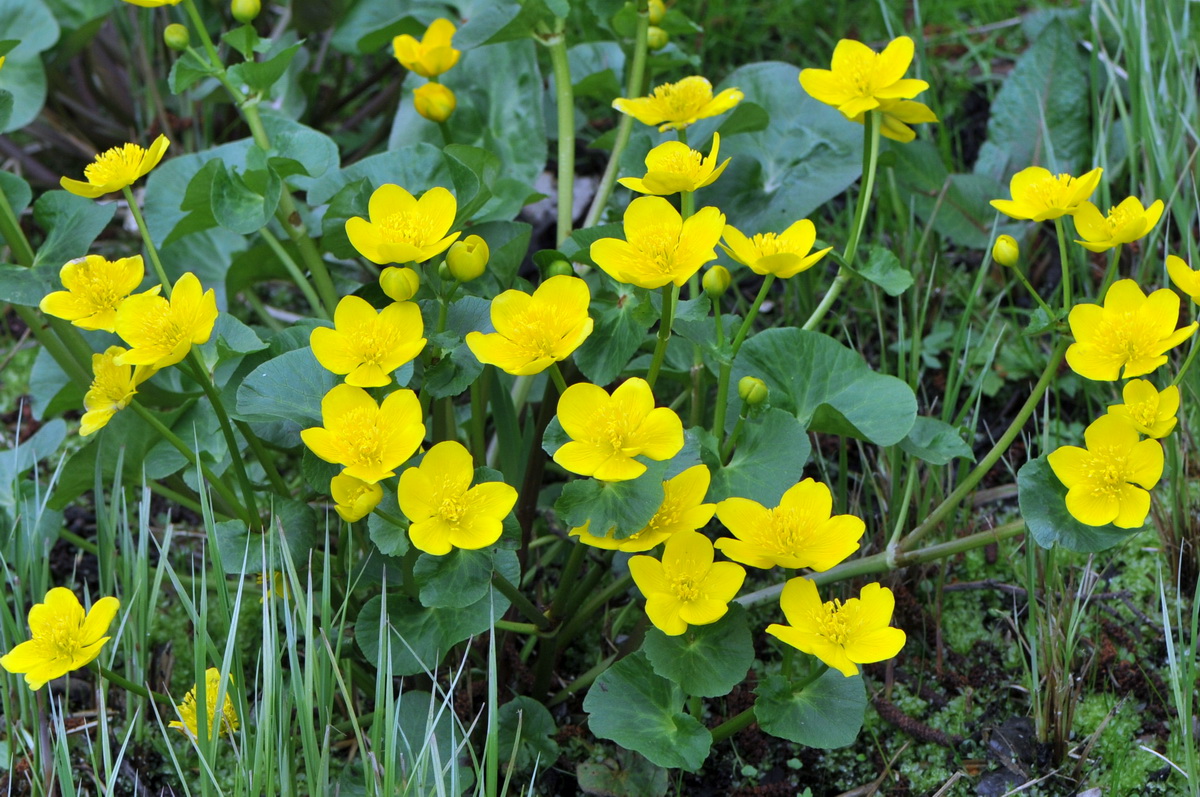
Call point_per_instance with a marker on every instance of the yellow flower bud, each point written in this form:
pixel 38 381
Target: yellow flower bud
pixel 435 102
pixel 400 284
pixel 468 258
pixel 657 38
pixel 560 268
pixel 1005 251
pixel 245 11
pixel 657 11
pixel 716 281
pixel 177 37
pixel 752 390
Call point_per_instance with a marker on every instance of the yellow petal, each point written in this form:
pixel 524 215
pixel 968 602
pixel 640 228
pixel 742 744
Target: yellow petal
pixel 1145 463
pixel 577 406
pixel 98 619
pixel 660 435
pixel 894 61
pixel 1092 508
pixel 800 602
pixel 879 645
pixel 1134 507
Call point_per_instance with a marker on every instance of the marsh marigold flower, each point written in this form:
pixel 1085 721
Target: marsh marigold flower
pixel 842 635
pixel 1124 224
pixel 1039 195
pixel 434 101
pixel 369 440
pixel 784 255
pixel 117 168
pixel 366 346
pixel 403 229
pixel 188 720
pixel 161 332
pixel 64 638
pixel 534 331
pixel 895 116
pixel 682 509
pixel 354 498
pixel 660 247
pixel 607 432
pixel 113 387
pixel 152 3
pixel 445 510
pixel 801 532
pixel 673 166
pixel 400 284
pixel 676 105
pixel 1149 411
pixel 687 587
pixel 1104 481
pixel 1131 331
pixel 1184 276
pixel 95 288
pixel 432 55
pixel 861 79
pixel 1006 251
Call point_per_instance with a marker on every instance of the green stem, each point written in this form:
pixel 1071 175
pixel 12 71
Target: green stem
pixel 478 436
pixel 198 23
pixel 151 249
pixel 727 448
pixel 201 375
pixel 732 725
pixel 130 686
pixel 567 580
pixel 670 295
pixel 264 458
pixel 583 617
pixel 744 329
pixel 293 271
pixel 556 374
pixel 81 374
pixel 1188 362
pixel 723 377
pixel 408 566
pixel 1110 273
pixel 522 604
pixel 1066 262
pixel 1029 287
pixel 582 682
pixel 871 127
pixel 565 99
pixel 10 228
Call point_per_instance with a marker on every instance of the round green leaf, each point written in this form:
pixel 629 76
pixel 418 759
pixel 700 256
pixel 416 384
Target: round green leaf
pixel 1043 501
pixel 705 660
pixel 827 713
pixel 769 458
pixel 624 506
pixel 288 388
pixel 527 725
pixel 461 578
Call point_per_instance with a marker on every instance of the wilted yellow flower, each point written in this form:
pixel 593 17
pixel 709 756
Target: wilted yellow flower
pixel 403 229
pixel 607 432
pixel 839 634
pixel 1131 331
pixel 801 532
pixel 188 722
pixel 534 331
pixel 1124 224
pixel 445 510
pixel 1102 480
pixel 161 332
pixel 661 247
pixel 682 509
pixel 113 387
pixel 434 101
pixel 119 167
pixel 400 284
pixel 686 587
pixel 366 346
pixel 368 439
pixel 1184 276
pixel 895 116
pixel 784 255
pixel 677 105
pixel 354 498
pixel 95 287
pixel 63 638
pixel 433 54
pixel 1039 195
pixel 1150 412
pixel 673 166
pixel 861 79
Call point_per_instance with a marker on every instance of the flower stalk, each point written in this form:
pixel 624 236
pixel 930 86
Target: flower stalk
pixel 670 296
pixel 564 94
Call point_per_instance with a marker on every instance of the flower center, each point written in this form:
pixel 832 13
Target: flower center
pixel 789 530
pixel 658 246
pixel 1127 337
pixel 113 383
pixel 375 341
pixel 1106 472
pixel 686 163
pixel 97 287
pixel 832 621
pixel 685 588
pixel 1144 413
pixel 538 331
pixel 768 243
pixel 117 165
pixel 453 509
pixel 1053 192
pixel 407 228
pixel 360 430
pixel 682 100
pixel 63 638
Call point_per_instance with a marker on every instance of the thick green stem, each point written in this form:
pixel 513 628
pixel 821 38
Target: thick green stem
pixel 556 374
pixel 579 620
pixel 151 249
pixel 564 94
pixel 732 725
pixel 477 433
pixel 871 126
pixel 582 682
pixel 10 228
pixel 723 376
pixel 130 686
pixel 1110 273
pixel 293 271
pixel 1065 260
pixel 198 23
pixel 201 375
pixel 744 329
pixel 566 581
pixel 669 299
pixel 522 604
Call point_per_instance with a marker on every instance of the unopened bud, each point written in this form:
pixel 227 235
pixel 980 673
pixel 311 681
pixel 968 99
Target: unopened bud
pixel 657 11
pixel 1005 251
pixel 656 38
pixel 177 37
pixel 468 258
pixel 245 11
pixel 435 102
pixel 716 281
pixel 400 284
pixel 752 390
pixel 560 268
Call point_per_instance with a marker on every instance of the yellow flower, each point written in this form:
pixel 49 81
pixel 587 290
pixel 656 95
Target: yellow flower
pixel 354 498
pixel 212 689
pixel 686 587
pixel 897 115
pixel 63 637
pixel 839 634
pixel 607 432
pixel 861 79
pixel 534 331
pixel 784 255
pixel 161 332
pixel 1102 479
pixel 677 105
pixel 468 259
pixel 661 246
pixel 403 229
pixel 370 440
pixel 1124 224
pixel 117 168
pixel 432 55
pixel 400 284
pixel 275 583
pixel 152 3
pixel 445 510
pixel 1131 331
pixel 1041 196
pixel 673 166
pixel 95 288
pixel 1006 251
pixel 113 387
pixel 434 101
pixel 1184 277
pixel 800 532
pixel 366 346
pixel 1152 413
pixel 682 509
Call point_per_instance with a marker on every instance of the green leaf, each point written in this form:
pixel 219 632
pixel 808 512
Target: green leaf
pixel 623 507
pixel 32 24
pixel 453 373
pixel 231 338
pixel 1043 501
pixel 244 39
pixel 628 775
pixel 188 70
pixel 527 724
pixel 390 539
pixel 767 460
pixel 461 577
pixel 16 191
pixel 508 242
pixel 642 711
pixel 506 21
pixel 705 660
pixel 288 388
pixel 415 167
pixel 372 24
pixel 311 152
pixel 578 246
pixel 883 268
pixel 620 328
pixel 425 726
pixel 473 170
pixel 935 442
pixel 26 286
pixel 262 75
pixel 826 714
pixel 51 391
pixel 829 387
pixel 244 203
pixel 71 222
pixel 39 447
